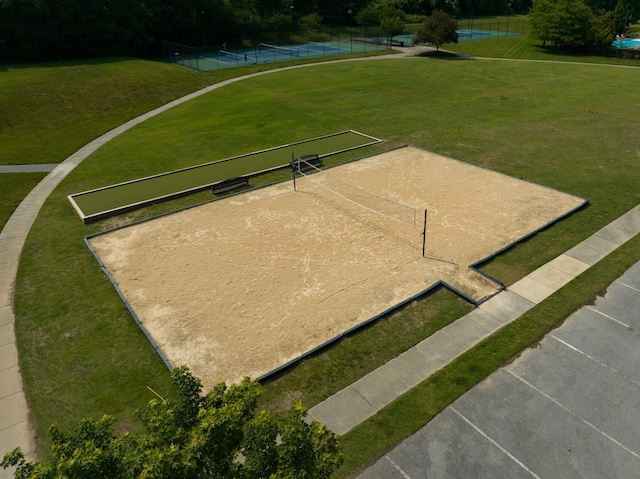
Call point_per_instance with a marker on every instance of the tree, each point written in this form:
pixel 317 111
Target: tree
pixel 247 24
pixel 622 15
pixel 564 22
pixel 438 28
pixel 310 22
pixel 368 16
pixel 541 19
pixel 602 30
pixel 193 436
pixel 392 26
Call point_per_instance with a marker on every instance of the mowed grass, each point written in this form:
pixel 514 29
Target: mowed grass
pixel 566 126
pixel 50 110
pixel 528 48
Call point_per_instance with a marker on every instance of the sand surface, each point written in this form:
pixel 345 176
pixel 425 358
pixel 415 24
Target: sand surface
pixel 241 286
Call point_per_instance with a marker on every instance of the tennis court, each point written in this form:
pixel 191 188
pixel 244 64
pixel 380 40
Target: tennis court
pixel 228 57
pixel 247 284
pixel 111 200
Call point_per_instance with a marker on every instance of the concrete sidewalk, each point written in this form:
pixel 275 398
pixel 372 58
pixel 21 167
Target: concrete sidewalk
pixel 39 168
pixel 361 400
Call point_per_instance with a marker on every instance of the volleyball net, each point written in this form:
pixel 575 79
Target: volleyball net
pixel 389 216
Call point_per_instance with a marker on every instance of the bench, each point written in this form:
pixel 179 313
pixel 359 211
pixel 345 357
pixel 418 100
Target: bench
pixel 229 184
pixel 306 162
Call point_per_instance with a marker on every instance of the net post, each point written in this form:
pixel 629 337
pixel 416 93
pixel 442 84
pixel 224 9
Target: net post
pixel 424 234
pixel 293 171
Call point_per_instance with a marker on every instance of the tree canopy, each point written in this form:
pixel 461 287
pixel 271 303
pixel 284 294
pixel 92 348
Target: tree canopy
pixel 392 26
pixel 569 23
pixel 438 28
pixel 35 30
pixel 216 436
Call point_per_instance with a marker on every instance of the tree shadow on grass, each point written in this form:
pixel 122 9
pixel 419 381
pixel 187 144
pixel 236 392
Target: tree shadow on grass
pixel 442 54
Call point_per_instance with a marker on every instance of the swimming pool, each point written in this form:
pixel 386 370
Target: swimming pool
pixel 627 43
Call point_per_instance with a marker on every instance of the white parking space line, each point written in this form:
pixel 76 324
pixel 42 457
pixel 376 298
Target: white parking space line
pixel 609 317
pixel 492 441
pixel 582 352
pixel 564 408
pixel 594 360
pixel 398 468
pixel 629 286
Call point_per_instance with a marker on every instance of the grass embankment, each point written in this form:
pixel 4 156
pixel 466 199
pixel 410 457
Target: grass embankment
pixel 527 48
pixel 50 110
pixel 565 126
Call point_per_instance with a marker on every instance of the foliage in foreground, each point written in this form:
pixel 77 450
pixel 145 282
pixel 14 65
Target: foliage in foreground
pixel 193 436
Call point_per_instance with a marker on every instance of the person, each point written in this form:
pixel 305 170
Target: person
pixel 224 46
pixel 245 57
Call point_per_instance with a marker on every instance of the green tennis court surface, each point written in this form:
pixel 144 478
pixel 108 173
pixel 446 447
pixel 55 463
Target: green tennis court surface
pixel 111 200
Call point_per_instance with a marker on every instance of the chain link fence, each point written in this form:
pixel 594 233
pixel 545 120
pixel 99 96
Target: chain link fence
pixel 280 46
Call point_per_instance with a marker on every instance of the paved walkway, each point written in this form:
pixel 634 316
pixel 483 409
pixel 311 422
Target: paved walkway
pixel 347 408
pixel 361 400
pixel 39 168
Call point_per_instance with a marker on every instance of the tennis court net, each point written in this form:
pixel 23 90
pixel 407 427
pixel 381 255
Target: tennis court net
pixel 283 51
pixel 230 55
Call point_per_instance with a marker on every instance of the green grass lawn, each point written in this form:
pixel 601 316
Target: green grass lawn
pixel 570 127
pixel 66 105
pixel 528 48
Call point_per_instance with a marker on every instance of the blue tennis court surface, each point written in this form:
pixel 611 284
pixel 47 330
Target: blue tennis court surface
pixel 269 53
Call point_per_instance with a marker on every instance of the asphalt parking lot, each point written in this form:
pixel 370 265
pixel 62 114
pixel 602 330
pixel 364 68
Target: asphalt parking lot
pixel 569 408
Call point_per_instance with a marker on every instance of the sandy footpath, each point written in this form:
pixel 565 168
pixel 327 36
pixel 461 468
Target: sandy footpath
pixel 240 286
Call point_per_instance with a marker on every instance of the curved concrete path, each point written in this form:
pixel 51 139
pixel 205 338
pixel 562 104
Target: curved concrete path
pixel 15 425
pixel 16 428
